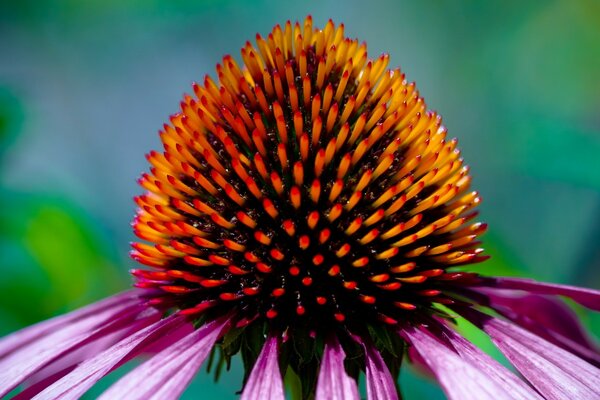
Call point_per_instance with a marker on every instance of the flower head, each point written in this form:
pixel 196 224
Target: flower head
pixel 309 213
pixel 310 194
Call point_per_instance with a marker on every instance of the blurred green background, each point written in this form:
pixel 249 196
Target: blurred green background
pixel 85 86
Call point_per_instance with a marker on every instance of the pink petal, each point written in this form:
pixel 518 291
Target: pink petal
pixel 59 368
pixel 548 317
pixel 77 382
pixel 492 368
pixel 16 340
pixel 380 384
pixel 589 298
pixel 554 372
pixel 29 358
pixel 265 381
pixel 418 363
pixel 334 383
pixel 83 352
pixel 37 387
pixel 162 343
pixel 460 379
pixel 167 374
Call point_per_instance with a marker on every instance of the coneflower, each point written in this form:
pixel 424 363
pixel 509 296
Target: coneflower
pixel 309 213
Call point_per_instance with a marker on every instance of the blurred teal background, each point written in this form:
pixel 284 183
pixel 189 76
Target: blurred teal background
pixel 85 86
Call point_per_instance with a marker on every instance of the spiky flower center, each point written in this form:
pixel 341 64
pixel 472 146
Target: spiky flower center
pixel 309 188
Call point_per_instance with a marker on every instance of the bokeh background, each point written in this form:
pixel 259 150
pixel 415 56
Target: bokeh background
pixel 85 86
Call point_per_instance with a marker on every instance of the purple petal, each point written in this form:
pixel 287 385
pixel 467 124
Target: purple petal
pixel 334 383
pixel 461 379
pixel 554 372
pixel 546 312
pixel 16 340
pixel 167 374
pixel 589 298
pixel 380 384
pixel 548 317
pixel 418 363
pixel 162 343
pixel 265 381
pixel 82 352
pixel 492 368
pixel 19 365
pixel 77 382
pixel 37 387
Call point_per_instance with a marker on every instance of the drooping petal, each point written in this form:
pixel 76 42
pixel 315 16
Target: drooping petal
pixel 546 312
pixel 265 381
pixel 418 363
pixel 554 372
pixel 380 384
pixel 546 316
pixel 334 383
pixel 19 365
pixel 167 341
pixel 167 374
pixel 459 378
pixel 78 381
pixel 589 298
pixel 15 341
pixel 492 368
pixel 62 366
pixel 85 351
pixel 29 392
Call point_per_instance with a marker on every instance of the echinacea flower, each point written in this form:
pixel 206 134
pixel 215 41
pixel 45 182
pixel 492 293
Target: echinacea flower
pixel 309 214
